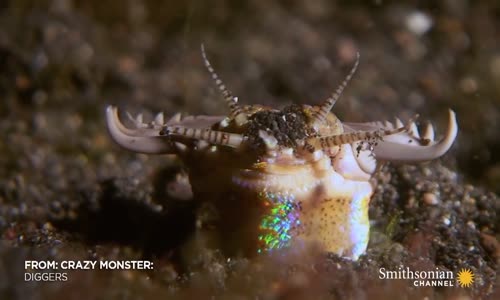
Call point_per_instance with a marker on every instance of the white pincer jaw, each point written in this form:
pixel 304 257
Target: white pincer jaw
pixel 159 137
pixel 143 140
pixel 413 148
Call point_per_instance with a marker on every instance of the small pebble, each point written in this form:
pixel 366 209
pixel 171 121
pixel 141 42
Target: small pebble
pixel 419 22
pixel 48 226
pixel 468 85
pixel 431 199
pixel 471 225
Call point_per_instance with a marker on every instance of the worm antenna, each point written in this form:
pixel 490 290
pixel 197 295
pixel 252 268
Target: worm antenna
pixel 205 134
pixel 231 101
pixel 320 116
pixel 327 142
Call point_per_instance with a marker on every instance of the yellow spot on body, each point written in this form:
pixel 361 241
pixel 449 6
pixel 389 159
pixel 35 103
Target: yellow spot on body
pixel 260 165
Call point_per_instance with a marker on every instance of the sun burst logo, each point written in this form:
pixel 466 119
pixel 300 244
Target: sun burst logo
pixel 465 278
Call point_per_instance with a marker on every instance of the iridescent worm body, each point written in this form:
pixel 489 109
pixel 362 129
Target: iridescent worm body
pixel 283 178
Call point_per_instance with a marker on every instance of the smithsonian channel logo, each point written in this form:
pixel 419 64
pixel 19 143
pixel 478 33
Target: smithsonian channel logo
pixel 434 278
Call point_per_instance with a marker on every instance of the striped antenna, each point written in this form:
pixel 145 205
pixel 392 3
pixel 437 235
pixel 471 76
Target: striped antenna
pixel 326 107
pixel 349 138
pixel 231 101
pixel 327 142
pixel 205 134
